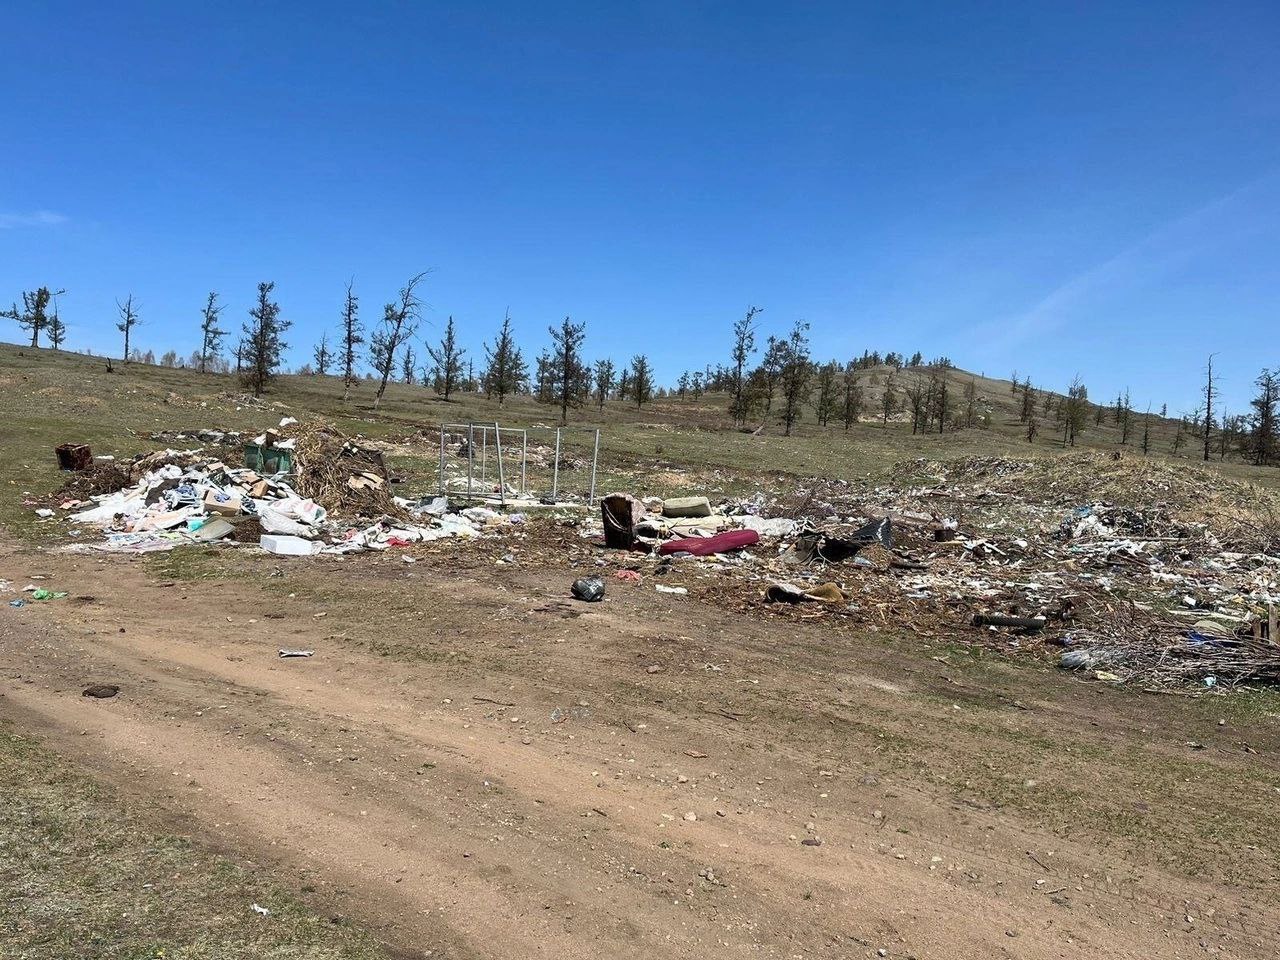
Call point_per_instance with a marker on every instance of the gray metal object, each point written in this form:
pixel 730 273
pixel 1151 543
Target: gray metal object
pixel 595 458
pixel 478 485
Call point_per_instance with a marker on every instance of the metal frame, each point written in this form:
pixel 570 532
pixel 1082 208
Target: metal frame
pixel 498 430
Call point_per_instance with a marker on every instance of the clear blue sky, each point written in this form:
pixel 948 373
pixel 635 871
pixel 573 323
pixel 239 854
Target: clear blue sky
pixel 1059 188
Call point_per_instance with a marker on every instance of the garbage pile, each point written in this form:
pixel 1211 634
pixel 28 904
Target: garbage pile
pixel 324 493
pixel 1134 571
pixel 1129 571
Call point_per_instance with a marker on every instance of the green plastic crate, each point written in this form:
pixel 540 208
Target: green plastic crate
pixel 268 460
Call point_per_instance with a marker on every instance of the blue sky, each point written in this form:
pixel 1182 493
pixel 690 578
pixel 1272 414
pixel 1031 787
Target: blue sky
pixel 1056 188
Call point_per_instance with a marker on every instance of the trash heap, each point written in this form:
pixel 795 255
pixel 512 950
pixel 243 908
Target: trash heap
pixel 1129 570
pixel 1133 570
pixel 321 493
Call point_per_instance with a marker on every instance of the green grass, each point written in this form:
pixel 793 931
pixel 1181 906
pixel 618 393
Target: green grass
pixel 668 446
pixel 79 878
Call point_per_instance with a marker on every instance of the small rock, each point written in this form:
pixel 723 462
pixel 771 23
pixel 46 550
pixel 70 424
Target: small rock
pixel 812 841
pixel 691 816
pixel 653 668
pixel 101 690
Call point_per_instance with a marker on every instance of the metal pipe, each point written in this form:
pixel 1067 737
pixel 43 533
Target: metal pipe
pixel 471 454
pixel 555 471
pixel 502 480
pixel 524 461
pixel 595 457
pixel 484 454
pixel 442 486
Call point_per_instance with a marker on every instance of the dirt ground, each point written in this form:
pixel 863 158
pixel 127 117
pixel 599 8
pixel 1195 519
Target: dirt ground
pixel 474 765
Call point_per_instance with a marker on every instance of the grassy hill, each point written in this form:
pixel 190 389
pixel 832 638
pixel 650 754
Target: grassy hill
pixel 668 445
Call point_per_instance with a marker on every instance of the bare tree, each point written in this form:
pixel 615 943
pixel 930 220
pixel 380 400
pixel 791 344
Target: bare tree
pixel 128 320
pixel 210 333
pixel 322 355
pixel 399 324
pixel 1210 393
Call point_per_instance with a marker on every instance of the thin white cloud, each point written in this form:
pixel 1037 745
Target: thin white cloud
pixel 1167 247
pixel 39 218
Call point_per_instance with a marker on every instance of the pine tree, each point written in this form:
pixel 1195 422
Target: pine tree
pixel 409 366
pixel 795 375
pixel 34 316
pixel 940 395
pixel 641 379
pixel 888 401
pixel 851 409
pixel 545 379
pixel 210 333
pixel 447 361
pixel 604 380
pixel 128 320
pixel 263 342
pixel 1074 412
pixel 352 338
pixel 744 345
pixel 567 369
pixel 1264 428
pixel 827 399
pixel 57 329
pixel 970 402
pixel 505 371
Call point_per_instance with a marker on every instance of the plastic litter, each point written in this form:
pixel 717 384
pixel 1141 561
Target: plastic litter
pixel 288 546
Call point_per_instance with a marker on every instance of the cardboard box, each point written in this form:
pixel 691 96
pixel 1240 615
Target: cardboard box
pixel 226 508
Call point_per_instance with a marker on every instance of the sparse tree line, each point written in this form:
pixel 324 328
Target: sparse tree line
pixel 781 385
pixel 1253 437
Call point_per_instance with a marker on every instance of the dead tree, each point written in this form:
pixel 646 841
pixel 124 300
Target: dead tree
pixel 399 324
pixel 1210 393
pixel 128 320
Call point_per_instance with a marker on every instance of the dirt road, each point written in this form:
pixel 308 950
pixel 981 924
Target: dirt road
pixel 476 766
